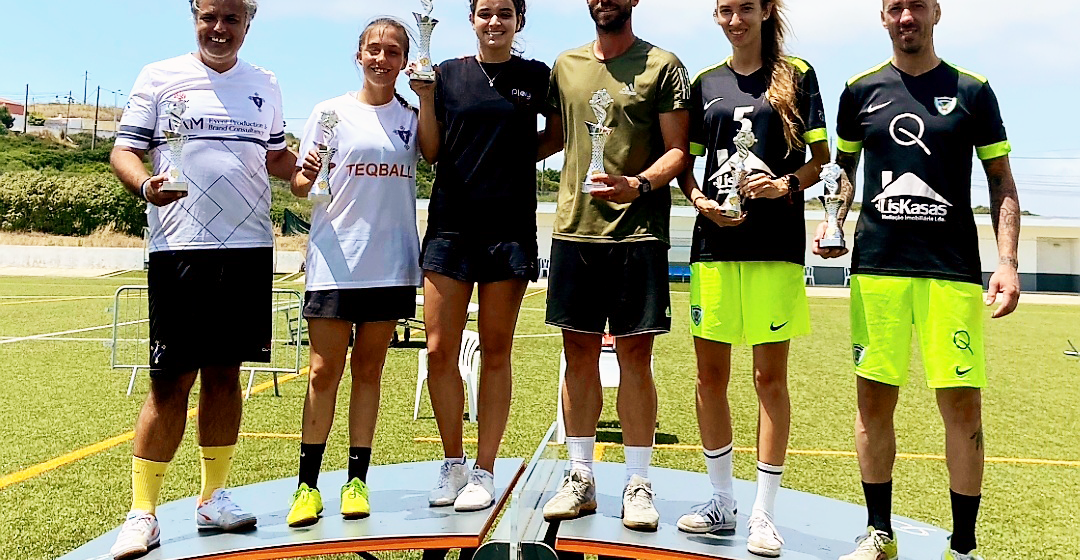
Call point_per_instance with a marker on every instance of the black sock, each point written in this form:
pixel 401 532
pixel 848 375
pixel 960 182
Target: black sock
pixel 879 506
pixel 965 509
pixel 311 463
pixel 359 459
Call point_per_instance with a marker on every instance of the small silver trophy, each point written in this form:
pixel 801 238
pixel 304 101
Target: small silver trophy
pixel 424 71
pixel 833 202
pixel 320 192
pixel 730 199
pixel 598 132
pixel 175 138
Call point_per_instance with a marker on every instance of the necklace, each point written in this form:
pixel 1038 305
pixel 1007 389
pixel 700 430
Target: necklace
pixel 491 81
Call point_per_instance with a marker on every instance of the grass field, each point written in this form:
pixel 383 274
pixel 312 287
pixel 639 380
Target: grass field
pixel 59 396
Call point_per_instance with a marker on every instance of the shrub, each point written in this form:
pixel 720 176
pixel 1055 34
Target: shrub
pixel 67 204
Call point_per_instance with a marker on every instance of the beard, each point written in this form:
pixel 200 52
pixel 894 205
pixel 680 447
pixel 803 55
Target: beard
pixel 616 23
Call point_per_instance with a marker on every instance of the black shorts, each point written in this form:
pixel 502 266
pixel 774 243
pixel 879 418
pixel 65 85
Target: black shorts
pixel 209 307
pixel 621 285
pixel 361 305
pixel 475 260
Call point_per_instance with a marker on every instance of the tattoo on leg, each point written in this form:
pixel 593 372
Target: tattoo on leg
pixel 977 437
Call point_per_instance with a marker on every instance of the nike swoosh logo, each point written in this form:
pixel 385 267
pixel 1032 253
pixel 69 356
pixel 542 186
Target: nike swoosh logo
pixel 710 104
pixel 962 373
pixel 876 108
pixel 774 327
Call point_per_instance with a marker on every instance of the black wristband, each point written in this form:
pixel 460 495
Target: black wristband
pixel 142 189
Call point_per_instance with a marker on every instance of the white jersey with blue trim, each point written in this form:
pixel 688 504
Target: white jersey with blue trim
pixel 366 236
pixel 230 120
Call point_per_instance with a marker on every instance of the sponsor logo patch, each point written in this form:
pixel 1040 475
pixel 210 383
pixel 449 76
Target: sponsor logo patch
pixel 696 314
pixel 858 352
pixel 945 105
pixel 258 101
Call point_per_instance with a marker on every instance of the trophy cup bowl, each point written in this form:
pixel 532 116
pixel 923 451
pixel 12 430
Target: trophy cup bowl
pixel 320 191
pixel 425 70
pixel 834 236
pixel 176 142
pixel 599 135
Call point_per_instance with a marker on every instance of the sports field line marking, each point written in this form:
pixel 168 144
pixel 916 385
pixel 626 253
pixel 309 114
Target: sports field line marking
pixel 53 300
pixel 75 331
pixel 68 458
pixel 527 296
pixel 542 335
pixel 262 435
pixel 598 453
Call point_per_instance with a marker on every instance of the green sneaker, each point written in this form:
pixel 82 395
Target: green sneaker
pixel 874 545
pixel 305 506
pixel 354 500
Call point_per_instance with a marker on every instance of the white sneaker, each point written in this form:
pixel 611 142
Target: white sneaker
pixel 638 512
pixel 138 535
pixel 764 539
pixel 221 513
pixel 478 494
pixel 710 517
pixel 576 496
pixel 452 478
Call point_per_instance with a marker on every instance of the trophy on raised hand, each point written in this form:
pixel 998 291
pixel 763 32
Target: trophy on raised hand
pixel 425 72
pixel 598 132
pixel 730 199
pixel 320 192
pixel 833 202
pixel 175 138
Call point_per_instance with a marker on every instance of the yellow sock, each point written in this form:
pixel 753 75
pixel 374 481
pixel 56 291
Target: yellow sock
pixel 146 480
pixel 215 468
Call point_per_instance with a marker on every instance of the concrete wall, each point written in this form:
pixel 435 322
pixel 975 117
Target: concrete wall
pixel 105 259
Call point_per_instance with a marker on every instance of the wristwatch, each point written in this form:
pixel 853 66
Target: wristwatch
pixel 644 185
pixel 793 183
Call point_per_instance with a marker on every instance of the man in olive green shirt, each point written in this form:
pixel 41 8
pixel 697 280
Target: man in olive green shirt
pixel 609 269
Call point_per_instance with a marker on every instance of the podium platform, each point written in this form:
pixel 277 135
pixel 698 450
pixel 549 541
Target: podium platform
pixel 814 527
pixel 401 519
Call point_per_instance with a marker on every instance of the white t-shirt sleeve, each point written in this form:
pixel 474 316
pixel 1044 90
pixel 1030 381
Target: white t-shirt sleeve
pixel 139 121
pixel 277 130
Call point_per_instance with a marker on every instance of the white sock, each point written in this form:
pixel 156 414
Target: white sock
pixel 719 464
pixel 768 484
pixel 637 462
pixel 581 453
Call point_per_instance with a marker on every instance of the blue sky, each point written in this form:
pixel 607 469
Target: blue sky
pixel 310 44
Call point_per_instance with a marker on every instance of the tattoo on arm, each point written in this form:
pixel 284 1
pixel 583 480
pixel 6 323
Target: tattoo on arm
pixel 977 437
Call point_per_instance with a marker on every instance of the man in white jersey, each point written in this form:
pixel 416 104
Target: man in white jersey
pixel 211 253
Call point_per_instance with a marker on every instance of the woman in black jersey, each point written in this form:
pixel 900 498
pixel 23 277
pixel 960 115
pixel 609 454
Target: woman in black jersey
pixel 478 121
pixel 747 272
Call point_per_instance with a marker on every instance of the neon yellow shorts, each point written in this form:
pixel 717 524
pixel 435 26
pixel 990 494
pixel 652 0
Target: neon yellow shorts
pixel 748 302
pixel 948 317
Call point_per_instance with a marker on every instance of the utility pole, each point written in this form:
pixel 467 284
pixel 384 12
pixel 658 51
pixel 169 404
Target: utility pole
pixel 97 107
pixel 86 80
pixel 26 109
pixel 67 122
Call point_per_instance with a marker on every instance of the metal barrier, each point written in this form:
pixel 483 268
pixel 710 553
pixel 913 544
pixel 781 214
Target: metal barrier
pixel 131 334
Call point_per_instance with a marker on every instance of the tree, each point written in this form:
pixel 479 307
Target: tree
pixel 6 118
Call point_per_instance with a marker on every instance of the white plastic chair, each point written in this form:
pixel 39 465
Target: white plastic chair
pixel 610 374
pixel 468 366
pixel 847 277
pixel 543 266
pixel 808 275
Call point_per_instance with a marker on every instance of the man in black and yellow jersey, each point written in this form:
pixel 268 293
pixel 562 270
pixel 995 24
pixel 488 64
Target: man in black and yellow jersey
pixel 916 259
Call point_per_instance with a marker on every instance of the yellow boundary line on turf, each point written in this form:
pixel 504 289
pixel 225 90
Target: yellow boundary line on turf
pixel 602 447
pixel 68 458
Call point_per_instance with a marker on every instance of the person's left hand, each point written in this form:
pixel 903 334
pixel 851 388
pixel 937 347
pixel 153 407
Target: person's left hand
pixel 760 185
pixel 621 189
pixel 1004 282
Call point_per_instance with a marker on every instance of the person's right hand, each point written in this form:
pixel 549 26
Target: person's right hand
pixel 313 164
pixel 826 253
pixel 711 209
pixel 422 88
pixel 154 195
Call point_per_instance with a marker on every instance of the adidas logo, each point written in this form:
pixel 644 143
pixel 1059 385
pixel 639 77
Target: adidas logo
pixel 628 90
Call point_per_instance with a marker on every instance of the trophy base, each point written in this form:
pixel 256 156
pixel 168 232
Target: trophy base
pixel 169 186
pixel 590 186
pixel 423 76
pixel 319 197
pixel 730 213
pixel 832 244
